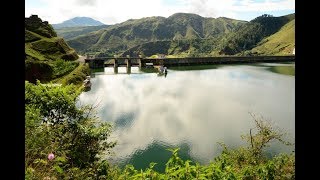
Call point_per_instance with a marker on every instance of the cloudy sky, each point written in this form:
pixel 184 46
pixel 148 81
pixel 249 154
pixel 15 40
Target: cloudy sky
pixel 117 11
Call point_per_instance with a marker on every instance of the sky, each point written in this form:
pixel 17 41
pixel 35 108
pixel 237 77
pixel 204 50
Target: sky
pixel 117 11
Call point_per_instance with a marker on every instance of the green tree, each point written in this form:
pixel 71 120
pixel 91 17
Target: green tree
pixel 54 124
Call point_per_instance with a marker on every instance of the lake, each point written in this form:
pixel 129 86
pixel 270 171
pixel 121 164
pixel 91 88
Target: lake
pixel 193 108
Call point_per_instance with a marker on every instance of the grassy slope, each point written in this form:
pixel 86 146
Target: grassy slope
pixel 38 47
pixel 71 32
pixel 46 56
pixel 249 35
pixel 280 43
pixel 121 37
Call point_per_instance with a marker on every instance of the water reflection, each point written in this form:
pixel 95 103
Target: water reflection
pixel 192 108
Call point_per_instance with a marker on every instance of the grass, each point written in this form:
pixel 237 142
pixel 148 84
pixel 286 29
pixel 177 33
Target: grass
pixel 62 67
pixel 31 36
pixel 33 53
pixel 280 43
pixel 71 32
pixel 48 48
pixel 287 70
pixel 76 77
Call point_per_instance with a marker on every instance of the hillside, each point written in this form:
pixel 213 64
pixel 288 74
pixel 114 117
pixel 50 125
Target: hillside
pixel 250 34
pixel 280 43
pixel 176 48
pixel 120 37
pixel 71 32
pixel 44 51
pixel 78 22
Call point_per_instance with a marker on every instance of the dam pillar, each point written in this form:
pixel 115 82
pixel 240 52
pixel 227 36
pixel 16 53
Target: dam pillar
pixel 140 62
pixel 128 65
pixel 115 66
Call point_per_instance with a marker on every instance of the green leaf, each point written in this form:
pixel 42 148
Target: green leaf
pixel 58 169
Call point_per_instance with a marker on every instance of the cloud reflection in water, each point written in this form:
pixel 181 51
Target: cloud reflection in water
pixel 198 107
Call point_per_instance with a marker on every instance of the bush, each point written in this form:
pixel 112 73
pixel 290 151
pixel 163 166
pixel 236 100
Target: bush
pixel 38 70
pixel 248 162
pixel 55 125
pixel 79 140
pixel 61 67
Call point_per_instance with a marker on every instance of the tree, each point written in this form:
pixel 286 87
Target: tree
pixel 54 124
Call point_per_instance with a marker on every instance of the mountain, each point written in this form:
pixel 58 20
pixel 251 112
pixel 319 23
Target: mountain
pixel 71 32
pixel 43 48
pixel 190 35
pixel 279 43
pixel 78 21
pixel 249 35
pixel 118 38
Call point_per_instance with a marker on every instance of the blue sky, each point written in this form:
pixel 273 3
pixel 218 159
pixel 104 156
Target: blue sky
pixel 117 11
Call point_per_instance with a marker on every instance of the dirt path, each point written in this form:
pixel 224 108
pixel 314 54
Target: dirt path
pixel 81 59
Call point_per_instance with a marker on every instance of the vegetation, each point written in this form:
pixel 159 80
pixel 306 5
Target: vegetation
pixel 190 35
pixel 247 36
pixel 64 140
pixel 71 32
pixel 54 124
pixel 79 142
pixel 61 67
pixel 280 43
pixel 121 37
pixel 287 70
pixel 75 77
pixel 47 56
pixel 248 162
pixel 35 24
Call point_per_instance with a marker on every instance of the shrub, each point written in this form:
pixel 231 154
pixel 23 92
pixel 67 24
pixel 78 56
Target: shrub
pixel 54 124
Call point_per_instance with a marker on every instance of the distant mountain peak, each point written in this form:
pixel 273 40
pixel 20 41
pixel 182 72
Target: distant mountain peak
pixel 78 21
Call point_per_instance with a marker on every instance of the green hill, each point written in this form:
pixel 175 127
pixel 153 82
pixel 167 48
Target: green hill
pixel 46 55
pixel 71 32
pixel 280 43
pixel 250 34
pixel 176 48
pixel 118 38
pixel 185 35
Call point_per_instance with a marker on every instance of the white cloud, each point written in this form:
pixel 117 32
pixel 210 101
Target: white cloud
pixel 116 11
pixel 169 112
pixel 267 5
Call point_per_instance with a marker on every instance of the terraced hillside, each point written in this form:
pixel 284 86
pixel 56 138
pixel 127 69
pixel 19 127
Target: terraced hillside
pixel 45 52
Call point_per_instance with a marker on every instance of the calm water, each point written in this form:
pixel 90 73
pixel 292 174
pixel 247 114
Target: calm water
pixel 192 108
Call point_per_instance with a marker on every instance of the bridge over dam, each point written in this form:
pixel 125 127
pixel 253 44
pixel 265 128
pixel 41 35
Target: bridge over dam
pixel 128 62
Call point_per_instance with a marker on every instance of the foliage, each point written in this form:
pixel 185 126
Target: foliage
pixel 54 48
pixel 71 32
pixel 247 36
pixel 62 67
pixel 79 141
pixel 40 45
pixel 248 162
pixel 38 70
pixel 76 76
pixel 35 24
pixel 30 36
pixel 178 48
pixel 287 70
pixel 54 124
pixel 179 35
pixel 280 43
pixel 46 71
pixel 46 56
pixel 121 37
